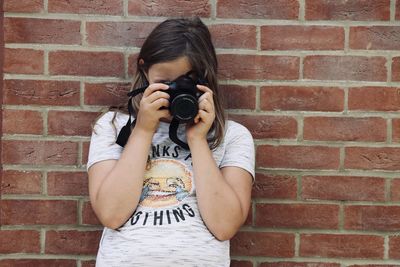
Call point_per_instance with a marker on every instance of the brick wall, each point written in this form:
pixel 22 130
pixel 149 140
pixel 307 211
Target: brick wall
pixel 316 82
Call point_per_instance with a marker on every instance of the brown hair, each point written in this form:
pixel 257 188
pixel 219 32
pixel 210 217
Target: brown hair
pixel 175 38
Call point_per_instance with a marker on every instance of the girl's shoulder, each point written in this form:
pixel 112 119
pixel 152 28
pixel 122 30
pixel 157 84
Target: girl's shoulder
pixel 234 129
pixel 111 117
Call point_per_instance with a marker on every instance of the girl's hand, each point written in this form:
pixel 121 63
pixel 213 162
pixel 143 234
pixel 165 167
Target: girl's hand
pixel 151 107
pixel 204 118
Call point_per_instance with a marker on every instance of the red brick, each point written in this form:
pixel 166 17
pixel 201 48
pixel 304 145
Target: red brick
pixel 37 263
pixel 118 33
pixel 237 263
pixel 374 265
pixel 88 263
pixel 234 36
pixel 274 187
pixel 298 264
pixel 396 130
pixel 23 61
pixel 278 245
pixel 21 182
pixel 374 37
pixel 341 246
pixel 297 216
pixel 344 129
pixel 395 190
pixel 22 122
pixel 106 94
pixel 301 98
pixel 39 152
pixel 277 127
pixel 67 184
pixel 289 37
pixel 373 158
pixel 347 10
pixel 396 69
pixel 381 218
pixel 26 6
pixel 86 63
pixel 132 63
pixel 238 97
pixel 109 7
pixel 85 152
pixel 254 67
pixel 41 31
pixel 30 92
pixel 297 157
pixel 356 68
pixel 394 247
pixel 397 10
pixel 31 212
pixel 343 188
pixel 374 98
pixel 27 241
pixel 258 9
pixel 72 242
pixel 170 8
pixel 71 122
pixel 88 215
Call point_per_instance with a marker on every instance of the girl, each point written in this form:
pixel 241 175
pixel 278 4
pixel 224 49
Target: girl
pixel 161 203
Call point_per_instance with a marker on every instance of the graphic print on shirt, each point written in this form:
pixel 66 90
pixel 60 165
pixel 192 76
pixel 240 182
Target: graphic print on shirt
pixel 166 183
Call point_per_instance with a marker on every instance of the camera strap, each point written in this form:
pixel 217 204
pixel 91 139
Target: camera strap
pixel 173 134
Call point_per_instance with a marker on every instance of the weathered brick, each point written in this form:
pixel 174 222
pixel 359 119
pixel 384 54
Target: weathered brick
pixel 71 122
pixel 37 263
pixel 31 92
pixel 343 188
pixel 41 31
pixel 109 7
pixel 234 36
pixel 26 6
pixel 345 129
pixel 36 212
pixel 21 182
pixel 255 67
pixel 396 69
pixel 27 242
pixel 375 38
pixel 22 122
pixel 277 127
pixel 258 9
pixel 394 247
pixel 297 157
pixel 39 152
pixel 239 97
pixel 301 98
pixel 132 34
pixel 288 37
pixel 67 184
pixel 72 242
pixel 274 187
pixel 341 246
pixel 170 8
pixel 372 158
pixel 356 68
pixel 347 10
pixel 378 218
pixel 106 94
pixel 314 216
pixel 263 244
pixel 374 98
pixel 23 61
pixel 86 63
pixel 88 215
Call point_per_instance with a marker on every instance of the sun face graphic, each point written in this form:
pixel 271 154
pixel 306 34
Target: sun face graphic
pixel 166 183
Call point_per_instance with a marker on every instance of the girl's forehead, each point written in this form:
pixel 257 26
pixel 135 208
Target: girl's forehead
pixel 170 70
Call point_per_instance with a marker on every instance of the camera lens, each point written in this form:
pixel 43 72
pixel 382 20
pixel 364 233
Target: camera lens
pixel 184 107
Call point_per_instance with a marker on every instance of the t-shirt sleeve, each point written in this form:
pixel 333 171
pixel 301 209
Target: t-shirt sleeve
pixel 239 149
pixel 102 143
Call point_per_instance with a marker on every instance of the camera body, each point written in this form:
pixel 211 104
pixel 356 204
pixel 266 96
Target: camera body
pixel 184 97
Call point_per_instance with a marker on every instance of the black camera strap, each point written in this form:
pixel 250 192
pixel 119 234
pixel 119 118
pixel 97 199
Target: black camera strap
pixel 173 134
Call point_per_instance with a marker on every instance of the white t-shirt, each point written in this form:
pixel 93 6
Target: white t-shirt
pixel 166 228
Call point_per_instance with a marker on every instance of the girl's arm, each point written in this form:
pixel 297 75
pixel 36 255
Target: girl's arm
pixel 223 195
pixel 115 185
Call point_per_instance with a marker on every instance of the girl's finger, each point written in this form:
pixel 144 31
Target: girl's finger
pixel 156 95
pixel 204 89
pixel 154 87
pixel 159 103
pixel 206 105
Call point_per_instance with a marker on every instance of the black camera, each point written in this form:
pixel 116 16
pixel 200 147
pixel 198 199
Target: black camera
pixel 184 97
